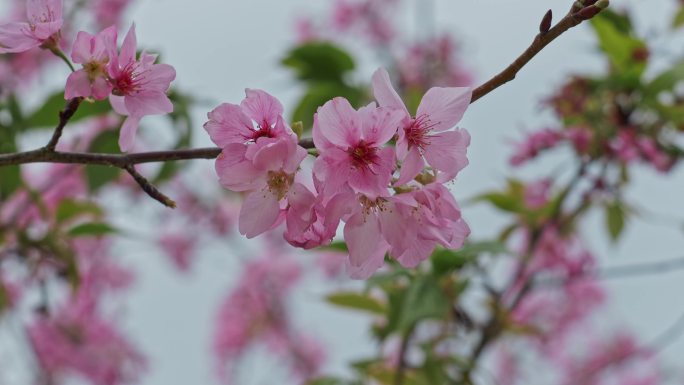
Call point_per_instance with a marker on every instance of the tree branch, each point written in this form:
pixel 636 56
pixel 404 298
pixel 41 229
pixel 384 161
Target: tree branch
pixel 149 188
pixel 64 117
pixel 572 19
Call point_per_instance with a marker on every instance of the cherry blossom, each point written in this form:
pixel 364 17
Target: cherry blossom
pixel 93 52
pixel 44 21
pixel 139 87
pixel 425 139
pixel 352 147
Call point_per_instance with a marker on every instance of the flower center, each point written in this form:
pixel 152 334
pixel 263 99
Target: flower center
pixel 279 183
pixel 94 69
pixel 129 80
pixel 363 155
pixel 417 131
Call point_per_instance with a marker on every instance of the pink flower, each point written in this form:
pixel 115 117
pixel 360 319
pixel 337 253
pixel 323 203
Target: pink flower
pixel 535 142
pixel 312 219
pixel 109 12
pixel 138 87
pixel 536 194
pixel 44 20
pixel 93 52
pixel 425 138
pixel 78 340
pixel 433 62
pixel 179 247
pixel 255 311
pixel 266 170
pixel 258 116
pixel 351 145
pixel 407 226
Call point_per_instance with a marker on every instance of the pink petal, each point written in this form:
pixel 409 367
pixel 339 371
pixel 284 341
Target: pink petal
pixel 366 246
pixel 148 103
pixel 444 106
pixel 411 166
pixel 15 38
pixel 384 92
pixel 259 212
pixel 374 180
pixel 271 156
pixel 118 104
pixel 339 123
pixel 381 124
pixel 419 250
pixel 158 77
pixel 41 10
pixel 128 47
pixel 228 124
pixel 235 171
pixel 83 45
pixel 262 107
pixel 447 151
pixel 127 134
pixel 101 88
pixel 78 84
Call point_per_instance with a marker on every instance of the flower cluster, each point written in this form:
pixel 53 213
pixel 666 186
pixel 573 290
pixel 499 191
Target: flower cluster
pixel 404 211
pixel 255 312
pixel 136 86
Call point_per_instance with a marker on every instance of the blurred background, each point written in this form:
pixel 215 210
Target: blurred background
pixel 219 48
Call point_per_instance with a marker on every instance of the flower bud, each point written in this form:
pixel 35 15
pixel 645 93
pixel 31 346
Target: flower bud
pixel 545 25
pixel 588 12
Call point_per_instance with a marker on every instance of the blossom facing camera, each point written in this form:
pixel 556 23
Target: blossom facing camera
pixel 139 87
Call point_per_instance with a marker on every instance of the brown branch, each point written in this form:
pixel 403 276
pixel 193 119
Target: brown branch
pixel 572 19
pixel 149 188
pixel 64 117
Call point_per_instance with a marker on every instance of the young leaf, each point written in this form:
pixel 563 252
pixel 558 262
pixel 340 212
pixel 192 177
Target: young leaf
pixel 357 301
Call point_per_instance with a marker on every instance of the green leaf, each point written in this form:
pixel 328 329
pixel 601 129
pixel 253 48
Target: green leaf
pixel 338 246
pixel 445 260
pixel 357 301
pixel 502 201
pixel 424 299
pixel 678 20
pixel 319 61
pixel 665 81
pixel 47 115
pixel 615 219
pixel 623 49
pixel 10 180
pixel 92 229
pixel 69 209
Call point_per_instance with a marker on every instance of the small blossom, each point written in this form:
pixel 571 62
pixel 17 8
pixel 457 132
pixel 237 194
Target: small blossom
pixel 352 147
pixel 139 87
pixel 93 52
pixel 78 340
pixel 425 139
pixel 44 21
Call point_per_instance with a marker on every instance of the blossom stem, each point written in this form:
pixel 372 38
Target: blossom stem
pixel 60 54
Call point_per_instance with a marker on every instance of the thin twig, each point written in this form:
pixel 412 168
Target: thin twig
pixel 64 117
pixel 617 272
pixel 149 188
pixel 402 364
pixel 539 42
